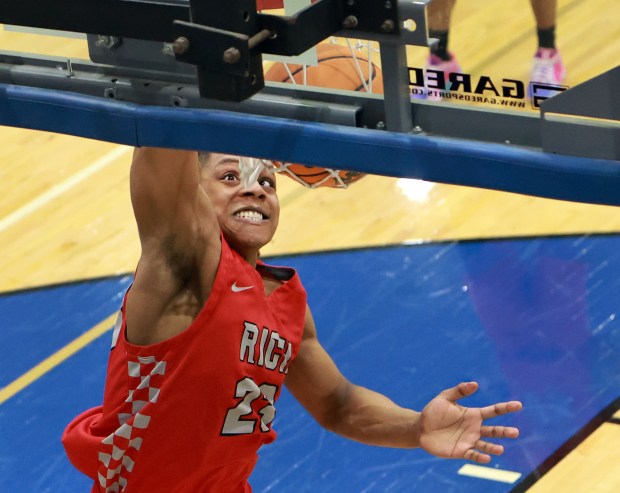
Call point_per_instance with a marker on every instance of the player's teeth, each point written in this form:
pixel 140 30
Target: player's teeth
pixel 253 215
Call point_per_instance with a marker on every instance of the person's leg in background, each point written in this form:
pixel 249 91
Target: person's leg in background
pixel 439 58
pixel 547 66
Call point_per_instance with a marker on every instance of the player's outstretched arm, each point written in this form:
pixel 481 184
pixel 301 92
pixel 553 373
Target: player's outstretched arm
pixel 443 428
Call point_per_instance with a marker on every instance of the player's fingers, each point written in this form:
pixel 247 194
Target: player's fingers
pixel 463 389
pixel 499 432
pixel 500 409
pixel 476 456
pixel 489 448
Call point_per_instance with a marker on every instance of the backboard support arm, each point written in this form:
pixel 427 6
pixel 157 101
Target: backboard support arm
pixel 225 44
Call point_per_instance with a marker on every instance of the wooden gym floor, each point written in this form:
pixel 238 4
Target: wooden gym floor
pixel 65 213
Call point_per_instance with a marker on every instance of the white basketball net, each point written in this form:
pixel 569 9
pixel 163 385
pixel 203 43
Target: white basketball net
pixel 250 169
pixel 365 81
pixel 331 174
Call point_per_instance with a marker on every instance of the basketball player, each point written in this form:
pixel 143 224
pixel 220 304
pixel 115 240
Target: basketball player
pixel 207 336
pixel 547 65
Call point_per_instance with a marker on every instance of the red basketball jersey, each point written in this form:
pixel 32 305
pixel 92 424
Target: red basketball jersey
pixel 188 415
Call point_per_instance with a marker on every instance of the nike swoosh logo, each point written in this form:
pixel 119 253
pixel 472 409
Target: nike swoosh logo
pixel 238 289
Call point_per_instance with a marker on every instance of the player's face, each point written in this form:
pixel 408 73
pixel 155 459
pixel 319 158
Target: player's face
pixel 248 216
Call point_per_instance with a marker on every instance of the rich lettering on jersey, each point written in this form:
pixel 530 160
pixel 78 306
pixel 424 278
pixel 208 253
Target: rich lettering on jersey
pixel 265 347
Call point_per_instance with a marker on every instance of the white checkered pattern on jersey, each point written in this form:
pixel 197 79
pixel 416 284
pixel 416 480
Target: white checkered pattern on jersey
pixel 118 451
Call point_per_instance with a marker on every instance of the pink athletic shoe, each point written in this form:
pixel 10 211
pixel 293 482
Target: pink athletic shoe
pixel 435 63
pixel 547 67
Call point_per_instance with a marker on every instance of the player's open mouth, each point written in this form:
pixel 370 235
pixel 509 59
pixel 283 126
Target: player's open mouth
pixel 251 215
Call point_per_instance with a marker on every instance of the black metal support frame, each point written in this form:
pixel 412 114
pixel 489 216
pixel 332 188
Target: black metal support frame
pixel 224 42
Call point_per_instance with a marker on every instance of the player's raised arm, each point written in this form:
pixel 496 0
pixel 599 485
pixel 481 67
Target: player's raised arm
pixel 167 198
pixel 180 239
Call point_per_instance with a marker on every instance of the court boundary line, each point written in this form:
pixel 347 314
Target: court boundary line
pixel 567 447
pixel 63 284
pixel 386 246
pixel 57 358
pixel 447 241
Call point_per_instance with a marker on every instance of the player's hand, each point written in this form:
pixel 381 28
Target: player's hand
pixel 452 431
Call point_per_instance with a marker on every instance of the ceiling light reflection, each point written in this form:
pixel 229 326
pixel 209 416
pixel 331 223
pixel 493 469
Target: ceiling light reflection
pixel 415 190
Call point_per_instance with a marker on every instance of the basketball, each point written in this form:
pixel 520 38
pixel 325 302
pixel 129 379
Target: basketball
pixel 339 67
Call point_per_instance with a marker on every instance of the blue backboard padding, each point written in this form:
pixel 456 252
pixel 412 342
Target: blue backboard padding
pixel 68 113
pixel 531 319
pixel 443 160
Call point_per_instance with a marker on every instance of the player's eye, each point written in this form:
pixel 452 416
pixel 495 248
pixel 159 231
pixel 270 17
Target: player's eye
pixel 229 177
pixel 267 182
